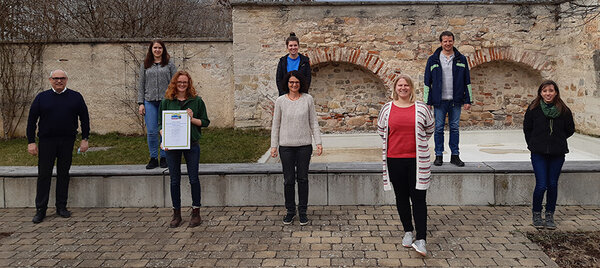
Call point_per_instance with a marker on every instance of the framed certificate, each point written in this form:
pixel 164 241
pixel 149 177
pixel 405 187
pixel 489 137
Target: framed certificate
pixel 176 130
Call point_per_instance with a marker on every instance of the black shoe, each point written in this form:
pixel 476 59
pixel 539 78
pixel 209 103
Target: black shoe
pixel 40 214
pixel 163 162
pixel 454 159
pixel 152 164
pixel 303 219
pixel 63 212
pixel 438 160
pixel 289 218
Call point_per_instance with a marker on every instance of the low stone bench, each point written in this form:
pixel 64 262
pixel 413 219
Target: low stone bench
pixel 478 183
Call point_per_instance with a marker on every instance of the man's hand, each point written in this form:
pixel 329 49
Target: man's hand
pixel 32 149
pixel 467 106
pixel 84 146
pixel 273 152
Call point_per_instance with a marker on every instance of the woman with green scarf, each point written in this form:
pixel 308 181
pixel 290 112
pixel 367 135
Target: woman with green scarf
pixel 547 125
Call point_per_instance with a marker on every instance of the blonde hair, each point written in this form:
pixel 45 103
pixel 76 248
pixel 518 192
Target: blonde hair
pixel 413 94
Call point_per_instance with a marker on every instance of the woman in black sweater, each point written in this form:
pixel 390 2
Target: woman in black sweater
pixel 547 125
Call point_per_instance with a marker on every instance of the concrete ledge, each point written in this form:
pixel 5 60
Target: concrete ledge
pixel 478 183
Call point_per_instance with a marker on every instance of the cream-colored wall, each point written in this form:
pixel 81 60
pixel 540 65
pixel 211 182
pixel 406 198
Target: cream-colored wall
pixel 105 74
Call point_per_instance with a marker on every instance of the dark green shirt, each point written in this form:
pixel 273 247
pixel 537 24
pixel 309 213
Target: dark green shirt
pixel 198 108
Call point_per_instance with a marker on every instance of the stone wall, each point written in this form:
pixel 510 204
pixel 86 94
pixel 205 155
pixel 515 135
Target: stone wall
pixel 347 97
pixel 106 74
pixel 520 43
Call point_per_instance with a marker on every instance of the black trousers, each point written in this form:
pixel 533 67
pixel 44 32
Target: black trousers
pixel 295 161
pixel 403 175
pixel 50 150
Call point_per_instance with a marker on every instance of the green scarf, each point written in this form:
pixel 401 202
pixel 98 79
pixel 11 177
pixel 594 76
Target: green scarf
pixel 550 111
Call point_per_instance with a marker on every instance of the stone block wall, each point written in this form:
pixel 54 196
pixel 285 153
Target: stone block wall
pixel 510 47
pixel 347 97
pixel 106 73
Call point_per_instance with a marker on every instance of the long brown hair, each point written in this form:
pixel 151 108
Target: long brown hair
pixel 557 101
pixel 149 60
pixel 171 93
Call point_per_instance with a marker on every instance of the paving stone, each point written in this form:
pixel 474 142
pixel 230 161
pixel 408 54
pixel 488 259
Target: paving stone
pixel 357 236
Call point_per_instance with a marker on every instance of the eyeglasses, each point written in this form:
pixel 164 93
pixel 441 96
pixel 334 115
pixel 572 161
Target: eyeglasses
pixel 293 82
pixel 58 78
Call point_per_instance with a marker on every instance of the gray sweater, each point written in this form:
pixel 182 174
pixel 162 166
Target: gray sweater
pixel 295 122
pixel 154 81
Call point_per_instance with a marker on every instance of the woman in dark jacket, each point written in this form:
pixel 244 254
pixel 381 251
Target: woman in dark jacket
pixel 547 125
pixel 293 61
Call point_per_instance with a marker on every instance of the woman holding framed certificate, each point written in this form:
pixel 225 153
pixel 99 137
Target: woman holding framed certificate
pixel 181 96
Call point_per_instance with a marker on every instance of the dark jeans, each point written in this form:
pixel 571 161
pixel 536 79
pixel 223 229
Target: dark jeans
pixel 295 162
pixel 403 175
pixel 192 157
pixel 453 111
pixel 49 150
pixel 547 170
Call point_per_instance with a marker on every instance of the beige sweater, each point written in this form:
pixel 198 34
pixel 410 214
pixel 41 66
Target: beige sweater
pixel 295 122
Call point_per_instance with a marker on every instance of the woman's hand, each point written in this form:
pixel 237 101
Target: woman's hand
pixel 190 112
pixel 273 152
pixel 142 110
pixel 319 149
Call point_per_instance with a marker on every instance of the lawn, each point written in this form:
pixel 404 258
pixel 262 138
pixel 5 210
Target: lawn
pixel 217 145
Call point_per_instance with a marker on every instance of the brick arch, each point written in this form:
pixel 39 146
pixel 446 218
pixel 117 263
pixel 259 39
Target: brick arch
pixel 533 59
pixel 369 60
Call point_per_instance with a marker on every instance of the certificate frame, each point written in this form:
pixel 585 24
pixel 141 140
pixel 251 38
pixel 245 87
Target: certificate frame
pixel 176 126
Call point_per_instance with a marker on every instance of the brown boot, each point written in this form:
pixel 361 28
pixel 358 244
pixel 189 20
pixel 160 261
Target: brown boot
pixel 176 220
pixel 195 220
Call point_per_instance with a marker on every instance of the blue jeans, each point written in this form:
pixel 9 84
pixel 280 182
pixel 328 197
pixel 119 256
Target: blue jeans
pixel 547 170
pixel 151 118
pixel 192 157
pixel 440 111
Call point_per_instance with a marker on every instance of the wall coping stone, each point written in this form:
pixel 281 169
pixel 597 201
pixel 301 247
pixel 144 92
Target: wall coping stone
pixel 120 40
pixel 315 168
pixel 373 3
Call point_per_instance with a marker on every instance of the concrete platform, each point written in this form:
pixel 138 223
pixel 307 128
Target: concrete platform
pixel 475 146
pixel 478 183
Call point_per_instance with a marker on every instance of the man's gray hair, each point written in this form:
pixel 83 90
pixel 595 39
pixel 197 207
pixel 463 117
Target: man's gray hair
pixel 52 72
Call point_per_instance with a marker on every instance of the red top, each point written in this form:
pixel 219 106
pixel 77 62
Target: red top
pixel 401 135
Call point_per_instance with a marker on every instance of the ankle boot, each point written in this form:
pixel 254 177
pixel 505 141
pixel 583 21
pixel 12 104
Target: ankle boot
pixel 537 220
pixel 176 220
pixel 550 220
pixel 195 220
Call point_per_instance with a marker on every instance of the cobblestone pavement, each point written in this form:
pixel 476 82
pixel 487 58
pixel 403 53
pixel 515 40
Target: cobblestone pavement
pixel 255 236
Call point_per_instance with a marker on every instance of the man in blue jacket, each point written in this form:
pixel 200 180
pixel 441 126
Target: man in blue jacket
pixel 447 89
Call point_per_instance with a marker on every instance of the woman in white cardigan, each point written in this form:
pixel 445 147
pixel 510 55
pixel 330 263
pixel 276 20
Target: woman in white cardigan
pixel 405 126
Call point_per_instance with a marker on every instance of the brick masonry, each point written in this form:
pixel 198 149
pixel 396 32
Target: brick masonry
pixel 510 49
pixel 387 39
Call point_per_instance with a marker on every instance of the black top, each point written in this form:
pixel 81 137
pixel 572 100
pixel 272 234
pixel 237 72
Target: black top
pixel 58 114
pixel 540 139
pixel 303 68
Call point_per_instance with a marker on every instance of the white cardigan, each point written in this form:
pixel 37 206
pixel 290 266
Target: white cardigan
pixel 424 127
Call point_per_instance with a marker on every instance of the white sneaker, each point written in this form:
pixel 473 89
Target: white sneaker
pixel 419 246
pixel 407 240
